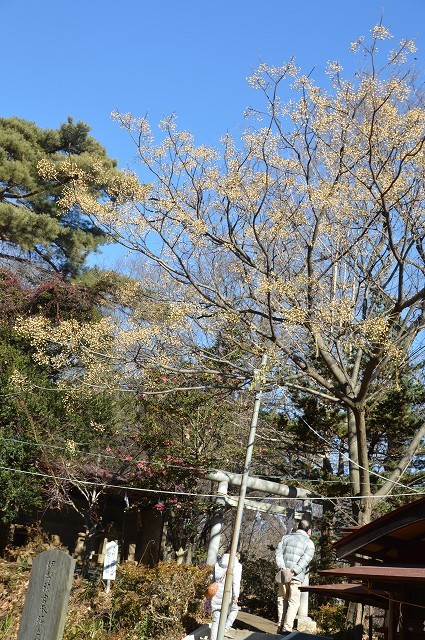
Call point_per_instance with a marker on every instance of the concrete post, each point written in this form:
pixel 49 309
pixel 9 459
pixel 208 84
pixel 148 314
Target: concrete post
pixel 79 546
pixel 303 609
pixel 131 552
pixel 242 493
pixel 304 622
pixel 217 523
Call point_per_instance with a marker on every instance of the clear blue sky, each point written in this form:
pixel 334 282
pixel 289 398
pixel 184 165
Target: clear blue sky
pixel 86 58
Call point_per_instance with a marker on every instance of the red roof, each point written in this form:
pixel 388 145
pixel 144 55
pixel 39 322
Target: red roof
pixel 391 551
pixel 381 573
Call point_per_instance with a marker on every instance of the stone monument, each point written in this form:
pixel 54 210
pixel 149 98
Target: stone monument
pixel 46 601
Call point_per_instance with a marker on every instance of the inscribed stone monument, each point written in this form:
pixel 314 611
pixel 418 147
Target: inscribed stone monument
pixel 46 601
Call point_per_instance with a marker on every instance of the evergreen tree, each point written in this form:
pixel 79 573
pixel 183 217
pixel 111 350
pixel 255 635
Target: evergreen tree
pixel 33 230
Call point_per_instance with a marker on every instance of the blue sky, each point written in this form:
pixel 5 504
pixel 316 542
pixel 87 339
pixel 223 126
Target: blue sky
pixel 88 58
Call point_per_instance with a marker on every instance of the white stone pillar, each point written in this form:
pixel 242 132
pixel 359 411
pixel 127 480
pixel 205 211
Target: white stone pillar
pixel 303 609
pixel 303 622
pixel 217 524
pixel 131 552
pixel 180 556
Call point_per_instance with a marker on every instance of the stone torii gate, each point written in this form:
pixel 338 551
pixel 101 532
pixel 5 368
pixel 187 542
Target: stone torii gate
pixel 226 478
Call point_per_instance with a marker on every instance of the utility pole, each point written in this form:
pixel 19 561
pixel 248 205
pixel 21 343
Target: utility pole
pixel 239 512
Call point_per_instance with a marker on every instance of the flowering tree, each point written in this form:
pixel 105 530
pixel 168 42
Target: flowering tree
pixel 305 239
pixel 37 422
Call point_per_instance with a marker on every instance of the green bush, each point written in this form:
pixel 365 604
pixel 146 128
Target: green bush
pixel 332 620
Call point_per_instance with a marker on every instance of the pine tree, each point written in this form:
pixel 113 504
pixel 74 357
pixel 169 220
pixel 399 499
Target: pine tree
pixel 33 230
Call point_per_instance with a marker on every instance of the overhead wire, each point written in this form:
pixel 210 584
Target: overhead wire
pixel 191 467
pixel 135 460
pixel 357 464
pixel 412 490
pixel 159 463
pixel 187 493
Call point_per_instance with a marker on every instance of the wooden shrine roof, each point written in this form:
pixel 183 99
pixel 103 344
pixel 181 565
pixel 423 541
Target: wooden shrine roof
pixel 389 554
pixel 396 537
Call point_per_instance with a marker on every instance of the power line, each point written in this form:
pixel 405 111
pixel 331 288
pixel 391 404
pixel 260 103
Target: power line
pixel 343 480
pixel 98 455
pixel 193 494
pixel 135 461
pixel 359 466
pixel 107 486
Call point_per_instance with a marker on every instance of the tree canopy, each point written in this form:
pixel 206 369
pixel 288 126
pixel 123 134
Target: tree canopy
pixel 32 227
pixel 304 239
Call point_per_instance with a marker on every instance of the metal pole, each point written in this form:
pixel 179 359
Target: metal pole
pixel 239 511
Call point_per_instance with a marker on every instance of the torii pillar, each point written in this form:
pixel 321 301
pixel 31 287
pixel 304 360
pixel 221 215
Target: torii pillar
pixel 217 523
pixel 303 622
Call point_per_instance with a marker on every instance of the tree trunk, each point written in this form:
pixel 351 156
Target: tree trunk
pixel 353 463
pixel 365 502
pixel 355 619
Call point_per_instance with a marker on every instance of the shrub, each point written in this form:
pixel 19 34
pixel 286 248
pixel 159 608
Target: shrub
pixel 165 601
pixel 332 620
pixel 259 589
